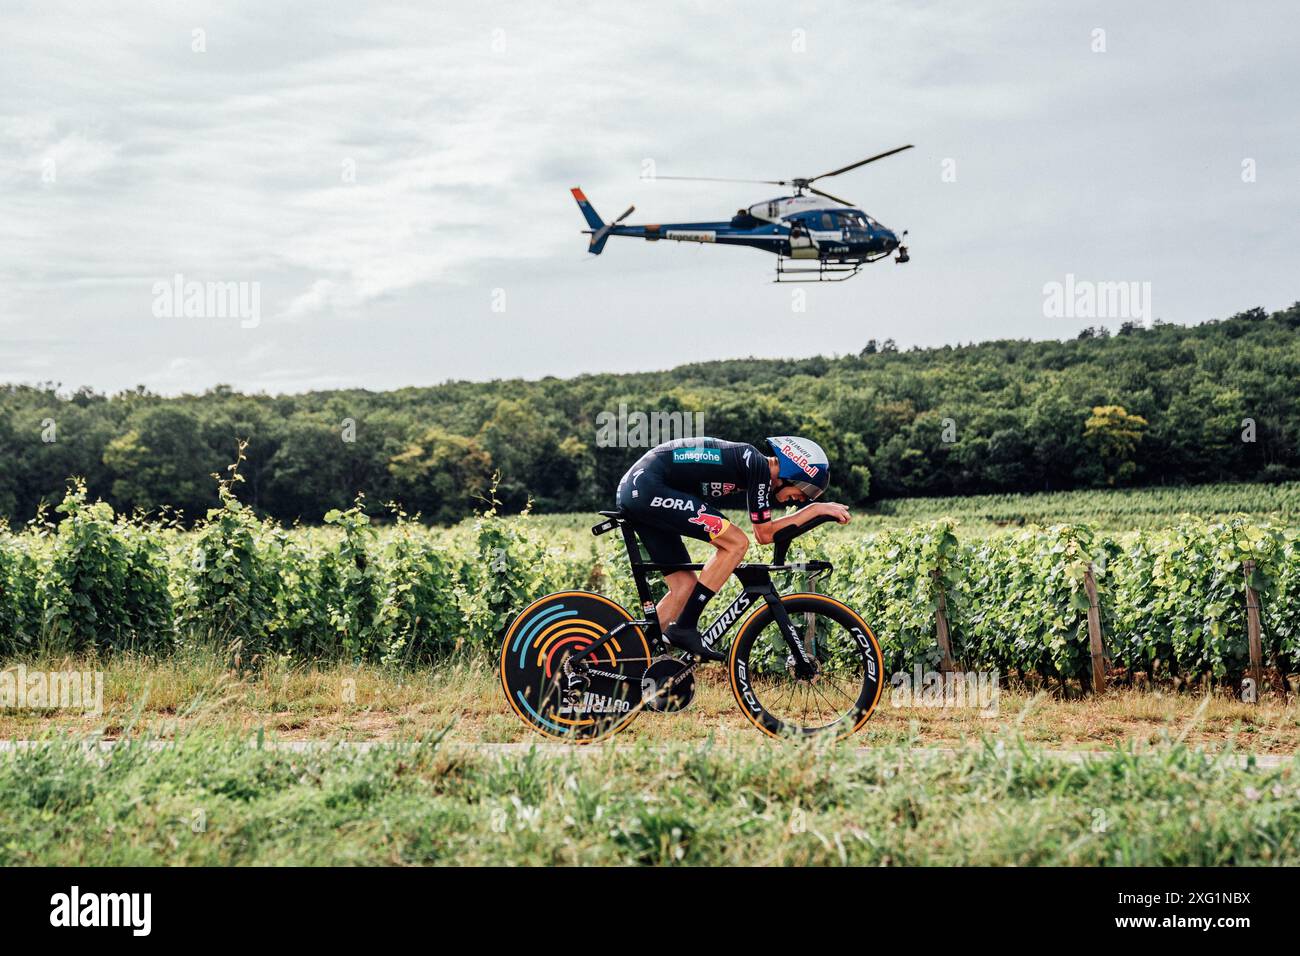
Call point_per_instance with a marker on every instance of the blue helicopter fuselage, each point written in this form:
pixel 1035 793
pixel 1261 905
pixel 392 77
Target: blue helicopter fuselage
pixel 797 227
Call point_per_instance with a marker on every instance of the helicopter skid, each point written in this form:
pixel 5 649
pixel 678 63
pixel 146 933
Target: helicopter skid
pixel 823 270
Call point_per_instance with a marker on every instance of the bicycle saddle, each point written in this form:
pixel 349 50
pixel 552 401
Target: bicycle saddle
pixel 613 519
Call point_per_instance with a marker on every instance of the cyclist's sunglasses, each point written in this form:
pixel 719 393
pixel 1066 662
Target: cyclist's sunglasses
pixel 807 487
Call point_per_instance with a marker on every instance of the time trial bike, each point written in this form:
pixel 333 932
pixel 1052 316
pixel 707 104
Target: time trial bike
pixel 577 667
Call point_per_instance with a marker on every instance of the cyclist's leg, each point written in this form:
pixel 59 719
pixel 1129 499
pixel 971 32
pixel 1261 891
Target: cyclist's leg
pixel 652 503
pixel 683 515
pixel 680 585
pixel 636 492
pixel 731 545
pixel 666 547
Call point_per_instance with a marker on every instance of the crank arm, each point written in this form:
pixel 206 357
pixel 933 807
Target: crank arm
pixel 681 676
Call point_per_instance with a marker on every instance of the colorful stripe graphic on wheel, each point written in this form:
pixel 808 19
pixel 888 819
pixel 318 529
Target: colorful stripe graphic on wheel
pixel 553 691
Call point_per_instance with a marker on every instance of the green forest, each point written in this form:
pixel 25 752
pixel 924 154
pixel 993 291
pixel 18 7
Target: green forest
pixel 1166 405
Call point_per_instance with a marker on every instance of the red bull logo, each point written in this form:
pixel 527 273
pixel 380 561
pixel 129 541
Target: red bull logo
pixel 800 458
pixel 710 523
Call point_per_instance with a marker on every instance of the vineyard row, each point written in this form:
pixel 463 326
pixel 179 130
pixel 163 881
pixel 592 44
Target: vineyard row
pixel 1170 603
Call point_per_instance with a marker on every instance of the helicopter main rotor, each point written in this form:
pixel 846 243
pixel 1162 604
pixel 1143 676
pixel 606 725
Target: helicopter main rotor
pixel 800 184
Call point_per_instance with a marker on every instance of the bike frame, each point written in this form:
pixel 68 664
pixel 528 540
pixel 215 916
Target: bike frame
pixel 756 580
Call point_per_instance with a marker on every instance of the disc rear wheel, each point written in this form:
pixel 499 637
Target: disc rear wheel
pixel 555 693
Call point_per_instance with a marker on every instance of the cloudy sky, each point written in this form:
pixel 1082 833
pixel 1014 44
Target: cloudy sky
pixel 395 180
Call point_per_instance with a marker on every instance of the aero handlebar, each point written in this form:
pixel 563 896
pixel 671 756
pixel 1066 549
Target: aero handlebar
pixel 782 538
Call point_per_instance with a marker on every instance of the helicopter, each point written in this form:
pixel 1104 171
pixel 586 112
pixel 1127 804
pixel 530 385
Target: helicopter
pixel 814 240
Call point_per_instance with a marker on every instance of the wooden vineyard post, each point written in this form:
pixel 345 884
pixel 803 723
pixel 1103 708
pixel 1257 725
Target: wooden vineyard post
pixel 1253 631
pixel 1094 633
pixel 946 662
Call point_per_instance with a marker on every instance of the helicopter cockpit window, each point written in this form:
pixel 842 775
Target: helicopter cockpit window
pixel 827 221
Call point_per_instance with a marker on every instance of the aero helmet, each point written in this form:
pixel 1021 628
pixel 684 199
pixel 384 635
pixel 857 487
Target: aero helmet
pixel 802 463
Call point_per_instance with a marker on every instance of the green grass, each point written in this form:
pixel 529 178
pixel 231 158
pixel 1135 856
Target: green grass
pixel 215 799
pixel 195 691
pixel 186 783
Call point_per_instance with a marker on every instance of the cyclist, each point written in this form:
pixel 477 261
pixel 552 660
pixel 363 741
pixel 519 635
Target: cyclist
pixel 675 490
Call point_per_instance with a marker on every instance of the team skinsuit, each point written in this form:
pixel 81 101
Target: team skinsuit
pixel 675 490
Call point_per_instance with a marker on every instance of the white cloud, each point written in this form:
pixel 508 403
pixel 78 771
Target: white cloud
pixel 321 293
pixel 391 166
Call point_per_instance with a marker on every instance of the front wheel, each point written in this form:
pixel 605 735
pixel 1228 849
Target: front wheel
pixel 835 701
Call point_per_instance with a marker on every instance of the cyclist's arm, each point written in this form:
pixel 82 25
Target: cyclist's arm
pixel 758 490
pixel 766 531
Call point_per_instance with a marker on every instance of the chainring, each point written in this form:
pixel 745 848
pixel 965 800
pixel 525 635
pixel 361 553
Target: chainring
pixel 668 685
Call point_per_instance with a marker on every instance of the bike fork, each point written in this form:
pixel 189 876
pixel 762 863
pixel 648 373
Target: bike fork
pixel 803 665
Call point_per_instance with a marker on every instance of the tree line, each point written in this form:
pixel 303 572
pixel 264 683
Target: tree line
pixel 1169 404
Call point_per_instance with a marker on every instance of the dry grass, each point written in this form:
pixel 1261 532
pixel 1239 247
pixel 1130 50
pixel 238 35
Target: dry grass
pixel 337 701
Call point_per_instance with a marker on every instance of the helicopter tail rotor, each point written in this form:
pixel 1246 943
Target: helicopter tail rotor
pixel 600 230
